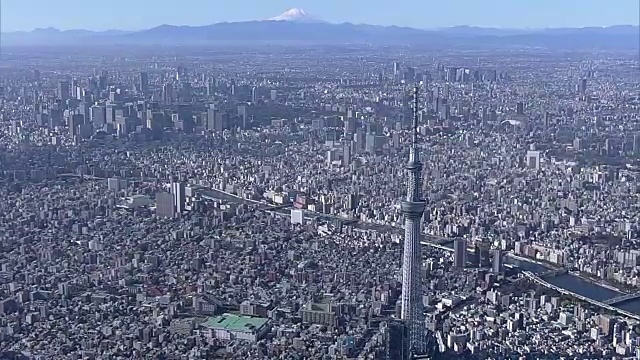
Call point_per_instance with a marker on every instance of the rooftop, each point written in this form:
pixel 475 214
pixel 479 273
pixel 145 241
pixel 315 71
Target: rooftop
pixel 318 307
pixel 235 323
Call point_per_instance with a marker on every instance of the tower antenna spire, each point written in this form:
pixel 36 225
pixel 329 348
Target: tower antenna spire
pixel 414 129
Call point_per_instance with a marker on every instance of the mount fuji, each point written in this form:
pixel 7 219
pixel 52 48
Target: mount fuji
pixel 296 15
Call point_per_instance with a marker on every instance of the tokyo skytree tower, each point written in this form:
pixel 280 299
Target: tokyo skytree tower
pixel 413 206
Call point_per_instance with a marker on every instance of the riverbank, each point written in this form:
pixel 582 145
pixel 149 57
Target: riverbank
pixel 512 255
pixel 603 283
pixel 580 275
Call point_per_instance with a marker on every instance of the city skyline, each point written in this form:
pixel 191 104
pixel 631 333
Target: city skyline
pixel 28 15
pixel 272 190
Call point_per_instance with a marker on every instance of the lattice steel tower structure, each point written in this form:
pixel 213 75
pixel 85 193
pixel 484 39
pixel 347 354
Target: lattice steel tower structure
pixel 413 207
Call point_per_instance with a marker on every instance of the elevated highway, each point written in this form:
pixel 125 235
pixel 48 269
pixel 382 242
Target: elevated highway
pixel 283 210
pixel 436 245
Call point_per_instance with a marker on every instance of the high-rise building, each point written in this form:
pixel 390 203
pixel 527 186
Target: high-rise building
pixel 497 261
pixel 413 208
pixel 352 201
pixel 582 87
pixel 451 75
pixel 410 74
pixel 211 119
pixel 548 118
pixel 577 144
pixel 346 155
pixel 520 108
pixel 359 139
pixel 155 122
pixel 64 90
pixel 349 126
pixel 459 252
pixel 179 194
pixel 221 121
pixel 185 94
pixel 211 87
pixel 483 254
pixel 144 83
pixel 167 94
pixel 242 113
pixel 110 113
pixel 533 159
pixel 606 323
pixel 608 147
pixel 165 206
pixel 394 333
pixel 75 121
pixel 98 115
pixel 254 94
pixel 102 82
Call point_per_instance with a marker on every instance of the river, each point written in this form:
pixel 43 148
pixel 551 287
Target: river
pixel 578 285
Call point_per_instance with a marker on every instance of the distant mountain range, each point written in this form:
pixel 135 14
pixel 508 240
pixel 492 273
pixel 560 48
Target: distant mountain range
pixel 297 26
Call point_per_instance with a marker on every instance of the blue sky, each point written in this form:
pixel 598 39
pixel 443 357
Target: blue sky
pixel 141 14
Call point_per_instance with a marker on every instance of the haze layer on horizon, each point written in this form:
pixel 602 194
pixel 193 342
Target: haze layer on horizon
pixel 25 15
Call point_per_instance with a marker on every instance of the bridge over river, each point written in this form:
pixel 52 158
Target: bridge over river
pixel 624 298
pixel 601 304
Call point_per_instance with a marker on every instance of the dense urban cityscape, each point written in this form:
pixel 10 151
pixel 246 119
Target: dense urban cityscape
pixel 319 202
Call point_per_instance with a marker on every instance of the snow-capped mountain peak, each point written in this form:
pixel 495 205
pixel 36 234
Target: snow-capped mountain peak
pixel 295 15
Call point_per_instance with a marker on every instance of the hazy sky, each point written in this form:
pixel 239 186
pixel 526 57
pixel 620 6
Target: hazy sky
pixel 141 14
